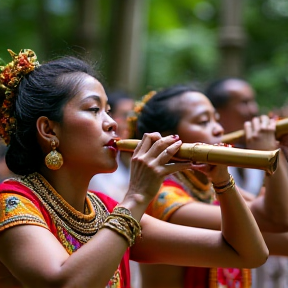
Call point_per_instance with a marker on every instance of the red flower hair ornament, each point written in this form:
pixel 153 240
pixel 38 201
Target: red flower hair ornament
pixel 10 76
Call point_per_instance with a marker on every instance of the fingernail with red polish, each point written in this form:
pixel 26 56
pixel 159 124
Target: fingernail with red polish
pixel 175 136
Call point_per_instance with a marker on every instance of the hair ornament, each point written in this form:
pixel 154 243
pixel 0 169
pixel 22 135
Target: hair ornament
pixel 10 77
pixel 138 107
pixel 140 104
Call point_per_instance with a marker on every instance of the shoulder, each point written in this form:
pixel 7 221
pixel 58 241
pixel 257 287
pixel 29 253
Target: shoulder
pixel 19 206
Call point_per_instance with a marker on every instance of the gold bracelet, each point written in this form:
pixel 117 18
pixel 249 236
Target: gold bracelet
pixel 121 227
pixel 226 187
pixel 122 222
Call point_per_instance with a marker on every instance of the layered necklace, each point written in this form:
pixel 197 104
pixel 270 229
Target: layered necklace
pixel 81 226
pixel 202 189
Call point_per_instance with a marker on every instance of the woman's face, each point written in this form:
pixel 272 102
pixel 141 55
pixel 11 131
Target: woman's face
pixel 87 131
pixel 199 120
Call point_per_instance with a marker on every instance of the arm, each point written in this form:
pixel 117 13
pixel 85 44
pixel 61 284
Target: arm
pixel 235 221
pixel 277 243
pixel 167 243
pixel 270 210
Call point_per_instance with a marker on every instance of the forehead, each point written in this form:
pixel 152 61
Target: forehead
pixel 89 86
pixel 239 90
pixel 194 103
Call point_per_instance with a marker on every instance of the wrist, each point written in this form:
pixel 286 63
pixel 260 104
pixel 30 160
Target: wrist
pixel 136 203
pixel 222 188
pixel 224 182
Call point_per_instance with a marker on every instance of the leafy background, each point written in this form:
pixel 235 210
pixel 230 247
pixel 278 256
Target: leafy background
pixel 181 44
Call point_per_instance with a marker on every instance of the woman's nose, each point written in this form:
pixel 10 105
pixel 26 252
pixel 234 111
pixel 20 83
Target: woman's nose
pixel 110 124
pixel 218 129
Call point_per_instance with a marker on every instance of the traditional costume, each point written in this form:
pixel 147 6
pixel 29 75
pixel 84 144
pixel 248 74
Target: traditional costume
pixel 32 200
pixel 182 188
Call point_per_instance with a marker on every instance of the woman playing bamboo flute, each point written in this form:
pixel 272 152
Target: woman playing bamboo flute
pixel 55 121
pixel 187 197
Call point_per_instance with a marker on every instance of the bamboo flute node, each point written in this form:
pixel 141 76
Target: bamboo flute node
pixel 213 154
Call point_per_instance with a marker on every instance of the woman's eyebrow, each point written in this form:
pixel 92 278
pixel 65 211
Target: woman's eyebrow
pixel 93 97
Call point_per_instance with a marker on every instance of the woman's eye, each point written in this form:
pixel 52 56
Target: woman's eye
pixel 108 112
pixel 204 122
pixel 94 109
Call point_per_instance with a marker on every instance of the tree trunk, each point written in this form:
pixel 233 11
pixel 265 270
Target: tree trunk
pixel 231 38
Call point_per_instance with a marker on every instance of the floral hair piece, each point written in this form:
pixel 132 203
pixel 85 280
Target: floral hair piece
pixel 10 77
pixel 138 107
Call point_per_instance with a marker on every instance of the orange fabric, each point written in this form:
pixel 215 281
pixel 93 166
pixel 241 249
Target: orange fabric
pixel 169 198
pixel 16 209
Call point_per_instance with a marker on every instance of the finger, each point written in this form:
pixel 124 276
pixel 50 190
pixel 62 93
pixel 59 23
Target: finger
pixel 202 167
pixel 248 129
pixel 264 121
pixel 272 124
pixel 163 143
pixel 147 141
pixel 171 168
pixel 169 152
pixel 256 126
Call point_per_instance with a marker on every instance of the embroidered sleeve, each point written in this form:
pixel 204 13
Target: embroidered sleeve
pixel 16 210
pixel 167 201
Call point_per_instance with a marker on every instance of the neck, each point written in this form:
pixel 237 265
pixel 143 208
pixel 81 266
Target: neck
pixel 71 186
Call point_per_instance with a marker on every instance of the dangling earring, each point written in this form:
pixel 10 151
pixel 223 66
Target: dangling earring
pixel 54 159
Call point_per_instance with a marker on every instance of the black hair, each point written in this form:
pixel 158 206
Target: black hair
pixel 43 92
pixel 217 93
pixel 159 114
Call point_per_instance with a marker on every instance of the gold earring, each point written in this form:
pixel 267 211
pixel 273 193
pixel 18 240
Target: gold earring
pixel 54 159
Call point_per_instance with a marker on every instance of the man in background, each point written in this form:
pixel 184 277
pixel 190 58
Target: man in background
pixel 234 100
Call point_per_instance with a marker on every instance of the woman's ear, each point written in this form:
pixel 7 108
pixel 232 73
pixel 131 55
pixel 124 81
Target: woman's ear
pixel 46 132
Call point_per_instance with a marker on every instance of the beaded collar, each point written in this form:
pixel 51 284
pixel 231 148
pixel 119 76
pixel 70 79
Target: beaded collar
pixel 81 226
pixel 203 192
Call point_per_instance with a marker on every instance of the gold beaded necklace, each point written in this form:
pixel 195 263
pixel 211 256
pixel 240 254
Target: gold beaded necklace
pixel 198 189
pixel 81 226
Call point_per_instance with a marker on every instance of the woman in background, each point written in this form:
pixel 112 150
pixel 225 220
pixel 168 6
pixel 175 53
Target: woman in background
pixel 187 197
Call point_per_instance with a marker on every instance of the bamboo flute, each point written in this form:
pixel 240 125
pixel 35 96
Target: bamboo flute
pixel 213 154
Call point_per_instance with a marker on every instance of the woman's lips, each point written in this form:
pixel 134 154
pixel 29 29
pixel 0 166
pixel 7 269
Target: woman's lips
pixel 112 144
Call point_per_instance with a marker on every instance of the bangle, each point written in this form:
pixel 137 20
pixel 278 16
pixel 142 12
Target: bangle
pixel 224 188
pixel 122 222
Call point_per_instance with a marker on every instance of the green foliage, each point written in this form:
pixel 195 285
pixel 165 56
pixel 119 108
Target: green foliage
pixel 181 56
pixel 267 51
pixel 183 46
pixel 182 41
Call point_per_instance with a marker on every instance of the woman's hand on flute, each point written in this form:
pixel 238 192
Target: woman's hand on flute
pixel 271 210
pixel 260 133
pixel 149 165
pixel 217 174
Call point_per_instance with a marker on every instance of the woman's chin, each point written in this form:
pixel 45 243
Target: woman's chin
pixel 111 169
